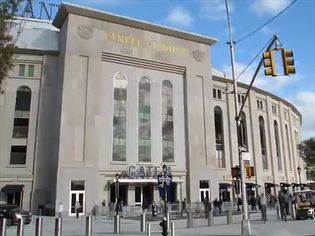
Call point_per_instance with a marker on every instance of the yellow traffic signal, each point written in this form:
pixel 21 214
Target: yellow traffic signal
pixel 288 61
pixel 269 63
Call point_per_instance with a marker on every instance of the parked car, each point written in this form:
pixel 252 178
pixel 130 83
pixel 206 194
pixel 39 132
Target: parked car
pixel 12 213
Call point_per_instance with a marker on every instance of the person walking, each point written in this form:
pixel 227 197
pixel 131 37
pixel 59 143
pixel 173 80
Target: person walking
pixel 220 206
pixel 183 207
pixel 263 207
pixel 60 210
pixel 281 199
pixel 206 205
pixel 77 209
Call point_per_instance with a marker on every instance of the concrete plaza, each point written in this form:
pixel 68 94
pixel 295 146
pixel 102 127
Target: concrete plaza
pixel 104 226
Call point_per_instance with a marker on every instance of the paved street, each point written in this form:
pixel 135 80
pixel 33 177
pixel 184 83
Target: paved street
pixel 104 226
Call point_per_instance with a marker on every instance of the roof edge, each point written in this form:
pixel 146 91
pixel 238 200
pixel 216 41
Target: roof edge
pixel 295 110
pixel 66 8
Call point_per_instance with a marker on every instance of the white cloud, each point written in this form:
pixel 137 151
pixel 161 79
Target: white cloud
pixel 178 16
pixel 262 7
pixel 214 9
pixel 262 82
pixel 305 103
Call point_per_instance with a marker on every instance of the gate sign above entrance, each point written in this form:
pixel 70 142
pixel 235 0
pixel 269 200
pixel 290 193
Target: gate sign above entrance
pixel 134 172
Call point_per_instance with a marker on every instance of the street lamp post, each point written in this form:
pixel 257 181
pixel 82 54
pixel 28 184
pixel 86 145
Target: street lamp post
pixel 164 169
pixel 164 222
pixel 117 207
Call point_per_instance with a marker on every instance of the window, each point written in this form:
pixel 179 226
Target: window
pixel 23 102
pixel 217 93
pixel 219 137
pixel 144 120
pixel 242 134
pixel 241 99
pixel 289 147
pixel 274 109
pixel 20 129
pixel 277 145
pixel 120 117
pixel 260 105
pixel 263 143
pixel 18 155
pixel 31 71
pixel 167 122
pixel 21 70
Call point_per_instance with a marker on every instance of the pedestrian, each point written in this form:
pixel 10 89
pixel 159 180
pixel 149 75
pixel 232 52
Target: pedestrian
pixel 239 203
pixel 253 203
pixel 60 210
pixel 263 205
pixel 206 205
pixel 215 206
pixel 287 203
pixel 281 199
pixel 77 209
pixel 220 206
pixel 183 207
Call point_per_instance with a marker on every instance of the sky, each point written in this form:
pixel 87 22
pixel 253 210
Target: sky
pixel 295 28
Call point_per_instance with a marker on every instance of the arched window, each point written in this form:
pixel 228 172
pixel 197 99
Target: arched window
pixel 288 146
pixel 120 117
pixel 219 138
pixel 243 131
pixel 275 123
pixel 263 142
pixel 21 123
pixel 167 122
pixel 144 120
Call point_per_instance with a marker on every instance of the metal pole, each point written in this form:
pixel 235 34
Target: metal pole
pixel 245 226
pixel 3 225
pixel 148 229
pixel 173 229
pixel 88 225
pixel 39 227
pixel 58 226
pixel 143 222
pixel 20 227
pixel 116 224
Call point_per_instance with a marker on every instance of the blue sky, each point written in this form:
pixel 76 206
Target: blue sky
pixel 295 27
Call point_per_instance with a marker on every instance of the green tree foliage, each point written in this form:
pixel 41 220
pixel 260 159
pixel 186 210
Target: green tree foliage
pixel 308 148
pixel 6 43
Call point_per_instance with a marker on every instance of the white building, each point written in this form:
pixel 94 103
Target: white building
pixel 94 95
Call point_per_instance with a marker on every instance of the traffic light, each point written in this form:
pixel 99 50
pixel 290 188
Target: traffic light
pixel 269 63
pixel 163 224
pixel 288 61
pixel 250 172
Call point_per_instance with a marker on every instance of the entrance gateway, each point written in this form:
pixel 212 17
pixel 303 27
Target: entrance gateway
pixel 138 186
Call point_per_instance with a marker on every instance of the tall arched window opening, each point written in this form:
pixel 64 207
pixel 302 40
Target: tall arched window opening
pixel 219 138
pixel 144 120
pixel 289 147
pixel 263 143
pixel 242 134
pixel 275 123
pixel 21 124
pixel 167 122
pixel 120 117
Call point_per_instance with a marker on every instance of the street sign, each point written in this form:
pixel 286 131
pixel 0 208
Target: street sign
pixel 246 156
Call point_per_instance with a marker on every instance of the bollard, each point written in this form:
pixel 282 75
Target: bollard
pixel 3 225
pixel 189 219
pixel 293 212
pixel 143 222
pixel 168 220
pixel 89 225
pixel 229 217
pixel 278 211
pixel 20 227
pixel 172 228
pixel 116 224
pixel 148 229
pixel 210 218
pixel 58 226
pixel 39 227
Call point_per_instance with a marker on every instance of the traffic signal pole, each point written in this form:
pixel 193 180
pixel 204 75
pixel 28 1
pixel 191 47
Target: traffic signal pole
pixel 245 224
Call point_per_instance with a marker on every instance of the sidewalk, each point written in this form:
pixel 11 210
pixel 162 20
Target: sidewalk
pixel 104 226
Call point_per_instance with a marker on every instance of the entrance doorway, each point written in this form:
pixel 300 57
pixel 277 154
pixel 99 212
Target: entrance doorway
pixel 204 191
pixel 77 196
pixel 144 196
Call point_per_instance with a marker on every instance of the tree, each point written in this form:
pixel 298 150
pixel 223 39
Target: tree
pixel 308 149
pixel 7 11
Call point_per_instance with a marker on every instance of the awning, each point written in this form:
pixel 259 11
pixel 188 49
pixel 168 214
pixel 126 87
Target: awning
pixel 12 188
pixel 225 185
pixel 285 185
pixel 148 180
pixel 295 185
pixel 270 185
pixel 251 185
